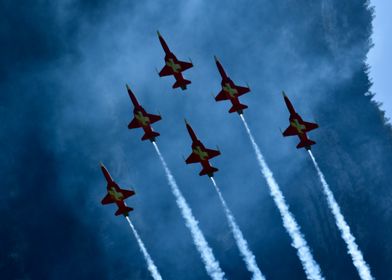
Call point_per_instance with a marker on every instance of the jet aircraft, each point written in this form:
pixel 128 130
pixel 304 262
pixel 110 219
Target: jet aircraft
pixel 201 154
pixel 230 91
pixel 116 194
pixel 173 66
pixel 298 127
pixel 142 119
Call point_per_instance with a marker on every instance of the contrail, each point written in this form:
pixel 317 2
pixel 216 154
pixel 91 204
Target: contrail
pixel 311 268
pixel 242 245
pixel 150 264
pixel 356 255
pixel 211 264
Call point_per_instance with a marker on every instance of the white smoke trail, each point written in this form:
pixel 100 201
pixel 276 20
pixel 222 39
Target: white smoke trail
pixel 356 255
pixel 242 245
pixel 211 264
pixel 150 264
pixel 311 268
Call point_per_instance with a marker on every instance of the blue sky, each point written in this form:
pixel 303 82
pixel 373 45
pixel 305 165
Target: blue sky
pixel 380 56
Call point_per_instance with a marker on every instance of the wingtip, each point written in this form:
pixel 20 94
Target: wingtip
pixel 186 121
pixel 127 86
pixel 159 34
pixel 101 164
pixel 284 94
pixel 216 59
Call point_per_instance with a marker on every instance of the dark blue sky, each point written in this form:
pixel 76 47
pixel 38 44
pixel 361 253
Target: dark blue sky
pixel 64 108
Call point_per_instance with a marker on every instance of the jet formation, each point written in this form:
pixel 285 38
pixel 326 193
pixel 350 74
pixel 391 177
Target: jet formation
pixel 116 195
pixel 200 154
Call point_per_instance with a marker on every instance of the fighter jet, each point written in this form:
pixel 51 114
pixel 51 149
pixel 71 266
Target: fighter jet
pixel 142 119
pixel 116 194
pixel 230 91
pixel 174 66
pixel 201 154
pixel 298 126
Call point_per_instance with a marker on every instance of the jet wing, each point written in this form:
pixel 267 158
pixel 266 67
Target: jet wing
pixel 134 124
pixel 126 193
pixel 242 90
pixel 166 71
pixel 221 96
pixel 310 126
pixel 185 65
pixel 154 118
pixel 290 131
pixel 107 199
pixel 212 153
pixel 193 158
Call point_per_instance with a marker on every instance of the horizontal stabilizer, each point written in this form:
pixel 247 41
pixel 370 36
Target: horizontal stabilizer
pixel 305 144
pixel 208 171
pixel 123 211
pixel 238 108
pixel 150 135
pixel 181 83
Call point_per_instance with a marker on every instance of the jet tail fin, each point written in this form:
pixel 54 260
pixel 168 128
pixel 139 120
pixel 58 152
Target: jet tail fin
pixel 150 135
pixel 123 211
pixel 208 171
pixel 238 108
pixel 306 144
pixel 181 83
